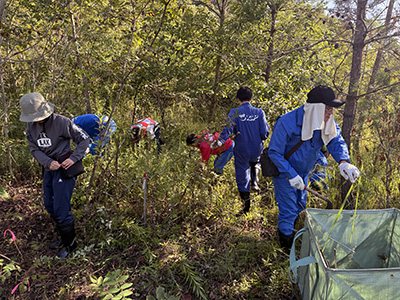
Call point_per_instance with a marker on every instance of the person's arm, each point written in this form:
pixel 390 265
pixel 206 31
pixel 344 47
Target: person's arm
pixel 277 145
pixel 80 138
pixel 340 152
pixel 101 139
pixel 319 170
pixel 205 151
pixel 150 131
pixel 113 127
pixel 38 154
pixel 264 128
pixel 230 126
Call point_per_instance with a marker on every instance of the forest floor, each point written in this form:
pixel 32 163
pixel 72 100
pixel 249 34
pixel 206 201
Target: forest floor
pixel 29 263
pixel 22 213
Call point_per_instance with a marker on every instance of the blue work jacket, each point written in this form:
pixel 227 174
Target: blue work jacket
pixel 94 125
pixel 250 129
pixel 287 133
pixel 90 123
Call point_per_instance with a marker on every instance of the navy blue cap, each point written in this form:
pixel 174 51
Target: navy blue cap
pixel 324 94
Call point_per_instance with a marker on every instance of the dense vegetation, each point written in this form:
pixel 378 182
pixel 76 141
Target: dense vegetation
pixel 181 62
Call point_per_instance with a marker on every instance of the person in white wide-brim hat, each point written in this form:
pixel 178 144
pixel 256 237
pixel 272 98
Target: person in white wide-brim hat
pixel 49 137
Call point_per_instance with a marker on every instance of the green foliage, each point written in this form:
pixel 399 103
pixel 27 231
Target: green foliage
pixel 3 192
pixel 194 280
pixel 162 295
pixel 380 160
pixel 112 286
pixel 179 64
pixel 10 269
pixel 7 270
pixel 22 162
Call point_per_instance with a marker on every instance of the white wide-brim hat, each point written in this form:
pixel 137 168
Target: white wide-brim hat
pixel 34 108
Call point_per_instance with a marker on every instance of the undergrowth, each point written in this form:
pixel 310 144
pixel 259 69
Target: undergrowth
pixel 150 226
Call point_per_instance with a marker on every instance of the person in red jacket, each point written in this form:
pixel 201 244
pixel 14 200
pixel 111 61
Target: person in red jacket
pixel 209 144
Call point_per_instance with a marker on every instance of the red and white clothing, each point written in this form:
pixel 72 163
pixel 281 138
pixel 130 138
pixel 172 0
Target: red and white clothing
pixel 147 126
pixel 206 142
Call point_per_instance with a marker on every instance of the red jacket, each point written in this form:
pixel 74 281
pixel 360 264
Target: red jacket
pixel 204 144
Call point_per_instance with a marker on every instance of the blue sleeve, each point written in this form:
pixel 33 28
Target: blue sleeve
pixel 103 120
pixel 230 126
pixel 279 139
pixel 113 126
pixel 81 140
pixel 264 128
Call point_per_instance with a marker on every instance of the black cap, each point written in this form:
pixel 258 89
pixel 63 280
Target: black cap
pixel 324 94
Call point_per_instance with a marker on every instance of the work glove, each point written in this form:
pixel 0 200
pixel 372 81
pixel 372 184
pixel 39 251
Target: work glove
pixel 349 171
pixel 216 144
pixel 297 182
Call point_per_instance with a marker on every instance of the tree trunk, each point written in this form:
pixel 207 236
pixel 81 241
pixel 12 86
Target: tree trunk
pixel 270 53
pixel 371 86
pixel 375 70
pixel 3 97
pixel 217 77
pixel 355 73
pixel 79 61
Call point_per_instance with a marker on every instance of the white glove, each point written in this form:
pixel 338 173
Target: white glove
pixel 297 182
pixel 216 144
pixel 150 132
pixel 349 171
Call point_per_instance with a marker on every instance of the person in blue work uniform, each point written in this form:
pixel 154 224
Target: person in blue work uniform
pixel 49 136
pixel 318 172
pixel 95 126
pixel 249 128
pixel 314 124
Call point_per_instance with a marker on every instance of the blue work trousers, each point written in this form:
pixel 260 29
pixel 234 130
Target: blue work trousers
pixel 243 163
pixel 291 202
pixel 222 159
pixel 57 196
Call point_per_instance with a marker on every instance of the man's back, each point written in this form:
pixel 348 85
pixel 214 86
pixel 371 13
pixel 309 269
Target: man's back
pixel 250 128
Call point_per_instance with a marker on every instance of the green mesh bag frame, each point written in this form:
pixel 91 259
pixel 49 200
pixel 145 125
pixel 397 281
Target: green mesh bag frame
pixel 361 257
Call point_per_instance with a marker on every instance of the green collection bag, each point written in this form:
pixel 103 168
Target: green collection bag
pixel 357 263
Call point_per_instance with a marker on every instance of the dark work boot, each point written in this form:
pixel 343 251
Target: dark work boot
pixel 58 243
pixel 254 173
pixel 245 196
pixel 67 232
pixel 286 241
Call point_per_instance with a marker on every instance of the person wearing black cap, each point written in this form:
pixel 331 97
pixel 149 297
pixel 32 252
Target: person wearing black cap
pixel 312 123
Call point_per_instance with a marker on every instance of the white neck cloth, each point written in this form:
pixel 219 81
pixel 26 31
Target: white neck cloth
pixel 313 119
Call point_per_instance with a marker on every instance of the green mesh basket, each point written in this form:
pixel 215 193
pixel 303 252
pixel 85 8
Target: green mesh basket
pixel 360 257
